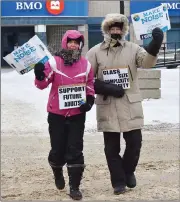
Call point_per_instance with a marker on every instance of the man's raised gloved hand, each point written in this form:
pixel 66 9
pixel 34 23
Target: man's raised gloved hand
pixel 39 71
pixel 88 105
pixel 155 45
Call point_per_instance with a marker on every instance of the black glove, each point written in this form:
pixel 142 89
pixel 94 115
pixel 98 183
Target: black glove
pixel 88 105
pixel 155 45
pixel 39 71
pixel 108 89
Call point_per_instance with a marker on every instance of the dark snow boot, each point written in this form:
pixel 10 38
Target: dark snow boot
pixel 130 180
pixel 119 189
pixel 59 178
pixel 75 175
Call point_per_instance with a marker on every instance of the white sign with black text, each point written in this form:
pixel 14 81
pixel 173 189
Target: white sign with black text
pixel 24 58
pixel 71 96
pixel 118 76
pixel 144 22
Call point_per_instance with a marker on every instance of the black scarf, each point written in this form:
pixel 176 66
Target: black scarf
pixel 69 56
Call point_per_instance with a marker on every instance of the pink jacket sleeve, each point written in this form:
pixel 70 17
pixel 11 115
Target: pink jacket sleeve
pixel 49 75
pixel 90 81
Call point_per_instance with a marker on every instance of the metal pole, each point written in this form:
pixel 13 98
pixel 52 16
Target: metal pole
pixel 122 7
pixel 175 52
pixel 164 54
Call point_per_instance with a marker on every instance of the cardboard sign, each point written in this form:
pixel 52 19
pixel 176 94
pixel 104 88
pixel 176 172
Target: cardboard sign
pixel 145 22
pixel 119 77
pixel 23 58
pixel 71 96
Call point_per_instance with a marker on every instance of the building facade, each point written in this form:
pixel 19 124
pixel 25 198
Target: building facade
pixel 21 19
pixel 49 19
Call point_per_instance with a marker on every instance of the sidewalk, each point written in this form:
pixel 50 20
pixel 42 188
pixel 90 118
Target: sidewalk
pixel 26 174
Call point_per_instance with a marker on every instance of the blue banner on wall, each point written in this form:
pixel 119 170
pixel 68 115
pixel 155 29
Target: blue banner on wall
pixel 44 8
pixel 139 6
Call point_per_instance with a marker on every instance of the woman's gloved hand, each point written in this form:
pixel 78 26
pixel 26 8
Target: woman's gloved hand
pixel 39 71
pixel 88 105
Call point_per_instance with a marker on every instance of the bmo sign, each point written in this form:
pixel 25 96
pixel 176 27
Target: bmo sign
pixel 44 8
pixel 53 7
pixel 172 5
pixel 28 5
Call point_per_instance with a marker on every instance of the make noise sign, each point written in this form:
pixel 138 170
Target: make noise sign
pixel 24 58
pixel 71 96
pixel 144 22
pixel 119 77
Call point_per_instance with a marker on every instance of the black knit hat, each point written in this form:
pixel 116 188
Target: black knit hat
pixel 117 24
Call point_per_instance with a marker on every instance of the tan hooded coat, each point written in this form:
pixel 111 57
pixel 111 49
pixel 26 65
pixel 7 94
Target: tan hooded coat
pixel 119 114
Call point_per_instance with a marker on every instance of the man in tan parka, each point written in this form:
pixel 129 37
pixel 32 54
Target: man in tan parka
pixel 119 107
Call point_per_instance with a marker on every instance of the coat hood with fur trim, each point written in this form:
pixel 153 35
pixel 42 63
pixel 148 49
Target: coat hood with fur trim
pixel 111 19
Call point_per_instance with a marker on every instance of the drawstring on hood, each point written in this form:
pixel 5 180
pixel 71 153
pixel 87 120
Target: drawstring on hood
pixel 111 42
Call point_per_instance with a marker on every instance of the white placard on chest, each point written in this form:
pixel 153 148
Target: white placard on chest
pixel 119 77
pixel 71 96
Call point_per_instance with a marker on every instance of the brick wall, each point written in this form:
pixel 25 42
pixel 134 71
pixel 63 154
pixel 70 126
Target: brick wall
pixel 127 8
pixel 150 83
pixel 101 8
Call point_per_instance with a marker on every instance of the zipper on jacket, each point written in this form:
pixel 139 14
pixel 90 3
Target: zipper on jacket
pixel 130 72
pixel 67 114
pixel 108 47
pixel 51 100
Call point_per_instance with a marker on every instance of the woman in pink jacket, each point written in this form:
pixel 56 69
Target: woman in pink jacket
pixel 71 96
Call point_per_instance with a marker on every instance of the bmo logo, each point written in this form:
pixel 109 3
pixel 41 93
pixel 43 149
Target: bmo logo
pixel 28 5
pixel 172 5
pixel 55 7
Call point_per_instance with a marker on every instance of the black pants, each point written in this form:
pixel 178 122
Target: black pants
pixel 119 167
pixel 66 137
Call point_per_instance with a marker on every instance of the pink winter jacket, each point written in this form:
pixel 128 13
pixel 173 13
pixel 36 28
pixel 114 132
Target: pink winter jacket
pixel 80 72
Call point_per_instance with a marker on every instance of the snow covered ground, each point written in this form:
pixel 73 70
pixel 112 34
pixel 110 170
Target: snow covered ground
pixel 26 144
pixel 156 111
